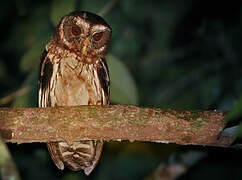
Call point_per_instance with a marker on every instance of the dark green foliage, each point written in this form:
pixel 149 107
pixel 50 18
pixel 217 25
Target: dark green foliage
pixel 175 54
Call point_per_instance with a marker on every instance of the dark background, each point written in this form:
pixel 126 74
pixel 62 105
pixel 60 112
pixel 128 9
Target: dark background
pixel 176 54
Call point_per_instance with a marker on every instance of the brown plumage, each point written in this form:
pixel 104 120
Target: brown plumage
pixel 73 71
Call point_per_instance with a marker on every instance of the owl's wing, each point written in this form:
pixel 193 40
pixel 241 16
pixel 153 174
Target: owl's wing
pixel 44 100
pixel 103 75
pixel 45 73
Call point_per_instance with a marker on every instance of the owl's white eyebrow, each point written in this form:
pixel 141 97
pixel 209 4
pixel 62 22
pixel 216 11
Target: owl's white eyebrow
pixel 99 27
pixel 84 15
pixel 81 22
pixel 84 24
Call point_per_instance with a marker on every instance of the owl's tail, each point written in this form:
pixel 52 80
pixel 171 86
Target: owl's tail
pixel 80 155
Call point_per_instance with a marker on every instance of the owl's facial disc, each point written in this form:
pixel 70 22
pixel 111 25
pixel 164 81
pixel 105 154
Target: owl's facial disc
pixel 72 31
pixel 100 37
pixel 95 44
pixel 87 36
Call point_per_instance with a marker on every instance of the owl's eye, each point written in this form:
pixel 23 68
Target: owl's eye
pixel 97 36
pixel 76 30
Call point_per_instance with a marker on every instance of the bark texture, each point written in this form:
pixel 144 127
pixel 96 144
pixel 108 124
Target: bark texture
pixel 114 122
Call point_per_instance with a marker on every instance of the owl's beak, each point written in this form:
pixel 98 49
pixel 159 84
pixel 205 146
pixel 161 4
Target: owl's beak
pixel 84 46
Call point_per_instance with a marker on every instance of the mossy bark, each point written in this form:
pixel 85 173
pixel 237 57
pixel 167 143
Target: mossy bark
pixel 114 122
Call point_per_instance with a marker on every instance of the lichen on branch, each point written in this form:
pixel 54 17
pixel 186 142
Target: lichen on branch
pixel 114 122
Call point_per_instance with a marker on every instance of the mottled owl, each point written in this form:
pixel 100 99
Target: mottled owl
pixel 73 71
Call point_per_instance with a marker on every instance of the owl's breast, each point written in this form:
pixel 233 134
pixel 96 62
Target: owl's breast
pixel 77 83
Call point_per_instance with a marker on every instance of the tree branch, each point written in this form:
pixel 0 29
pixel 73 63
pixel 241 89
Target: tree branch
pixel 114 122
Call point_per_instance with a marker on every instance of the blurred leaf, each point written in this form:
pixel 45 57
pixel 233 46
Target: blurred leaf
pixel 235 112
pixel 235 115
pixel 166 11
pixel 22 7
pixel 4 8
pixel 73 176
pixel 4 155
pixel 3 69
pixel 127 44
pixel 93 7
pixel 239 131
pixel 123 88
pixel 27 31
pixel 209 87
pixel 31 58
pixel 134 166
pixel 29 99
pixel 8 169
pixel 61 8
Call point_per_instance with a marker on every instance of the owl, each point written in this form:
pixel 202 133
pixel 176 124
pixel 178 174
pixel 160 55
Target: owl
pixel 73 71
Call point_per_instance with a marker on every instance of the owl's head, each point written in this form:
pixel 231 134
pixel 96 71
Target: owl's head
pixel 84 33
